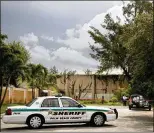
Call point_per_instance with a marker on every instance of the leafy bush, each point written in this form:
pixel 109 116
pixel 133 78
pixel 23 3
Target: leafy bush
pixel 96 101
pixel 99 102
pixel 105 101
pixel 86 101
pixel 114 103
pixel 120 92
pixel 114 99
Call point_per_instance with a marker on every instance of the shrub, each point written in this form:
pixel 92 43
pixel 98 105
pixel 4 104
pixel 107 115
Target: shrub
pixel 112 103
pixel 114 99
pixel 105 101
pixel 85 101
pixel 96 101
pixel 120 92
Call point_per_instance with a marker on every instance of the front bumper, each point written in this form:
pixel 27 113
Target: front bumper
pixel 139 105
pixel 112 117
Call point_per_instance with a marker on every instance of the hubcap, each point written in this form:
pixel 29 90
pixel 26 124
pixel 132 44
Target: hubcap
pixel 35 121
pixel 98 119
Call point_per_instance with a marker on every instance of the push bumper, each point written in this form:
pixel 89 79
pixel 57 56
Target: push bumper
pixel 116 112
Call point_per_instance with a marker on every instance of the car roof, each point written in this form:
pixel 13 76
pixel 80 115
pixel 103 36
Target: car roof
pixel 135 95
pixel 54 97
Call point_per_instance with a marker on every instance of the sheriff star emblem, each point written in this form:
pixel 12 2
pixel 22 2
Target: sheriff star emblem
pixel 50 112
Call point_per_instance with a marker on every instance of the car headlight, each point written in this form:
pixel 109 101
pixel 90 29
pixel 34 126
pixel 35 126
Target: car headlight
pixel 110 112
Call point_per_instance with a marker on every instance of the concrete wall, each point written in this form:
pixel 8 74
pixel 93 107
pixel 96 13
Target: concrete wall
pixel 20 95
pixel 98 86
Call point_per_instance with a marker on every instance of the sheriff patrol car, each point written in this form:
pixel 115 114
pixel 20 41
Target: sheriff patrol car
pixel 56 110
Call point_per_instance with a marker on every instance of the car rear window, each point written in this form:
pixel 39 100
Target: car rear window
pixel 31 102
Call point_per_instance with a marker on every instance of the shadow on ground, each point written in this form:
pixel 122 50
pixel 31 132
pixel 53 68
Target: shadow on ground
pixel 141 118
pixel 81 126
pixel 140 109
pixel 141 122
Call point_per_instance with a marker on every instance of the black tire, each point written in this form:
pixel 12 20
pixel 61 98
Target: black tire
pixel 97 119
pixel 149 107
pixel 31 122
pixel 130 107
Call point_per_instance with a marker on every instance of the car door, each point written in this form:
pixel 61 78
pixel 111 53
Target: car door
pixel 73 111
pixel 49 108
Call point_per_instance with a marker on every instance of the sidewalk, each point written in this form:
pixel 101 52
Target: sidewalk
pixel 1 116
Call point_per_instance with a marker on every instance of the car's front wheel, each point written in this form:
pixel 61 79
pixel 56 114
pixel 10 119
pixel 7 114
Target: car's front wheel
pixel 35 122
pixel 98 120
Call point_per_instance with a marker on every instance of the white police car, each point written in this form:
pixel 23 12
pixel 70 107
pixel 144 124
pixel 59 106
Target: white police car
pixel 56 110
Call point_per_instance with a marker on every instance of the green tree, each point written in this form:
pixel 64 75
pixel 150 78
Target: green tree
pixel 46 79
pixel 13 59
pixel 22 53
pixel 129 46
pixel 3 37
pixel 65 79
pixel 111 51
pixel 88 71
pixel 41 82
pixel 36 74
pixel 54 70
pixel 41 78
pixel 138 39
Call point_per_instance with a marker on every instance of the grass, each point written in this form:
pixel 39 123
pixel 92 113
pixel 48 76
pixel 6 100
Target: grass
pixel 99 103
pixel 106 104
pixel 4 106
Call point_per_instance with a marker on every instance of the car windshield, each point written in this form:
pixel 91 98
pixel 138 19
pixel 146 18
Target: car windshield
pixel 31 102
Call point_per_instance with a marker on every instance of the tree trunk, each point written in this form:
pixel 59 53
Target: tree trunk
pixel 5 92
pixel 1 87
pixel 79 96
pixel 127 74
pixel 32 89
pixel 32 92
pixel 39 92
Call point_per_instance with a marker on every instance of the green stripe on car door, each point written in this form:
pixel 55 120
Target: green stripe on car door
pixel 33 110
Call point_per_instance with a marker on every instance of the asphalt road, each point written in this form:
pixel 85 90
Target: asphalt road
pixel 128 121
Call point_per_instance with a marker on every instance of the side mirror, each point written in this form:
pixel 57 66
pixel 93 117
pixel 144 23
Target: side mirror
pixel 84 105
pixel 79 105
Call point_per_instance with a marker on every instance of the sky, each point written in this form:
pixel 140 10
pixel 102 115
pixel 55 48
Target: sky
pixel 55 32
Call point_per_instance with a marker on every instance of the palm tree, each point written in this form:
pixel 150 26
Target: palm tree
pixel 40 77
pixel 33 73
pixel 23 54
pixel 13 59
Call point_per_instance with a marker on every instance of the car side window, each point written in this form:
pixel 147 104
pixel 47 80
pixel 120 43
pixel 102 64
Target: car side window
pixel 66 102
pixel 50 102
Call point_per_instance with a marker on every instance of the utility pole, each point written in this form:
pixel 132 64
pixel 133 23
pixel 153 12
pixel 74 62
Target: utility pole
pixel 153 114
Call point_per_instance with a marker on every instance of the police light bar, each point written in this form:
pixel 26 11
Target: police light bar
pixel 59 95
